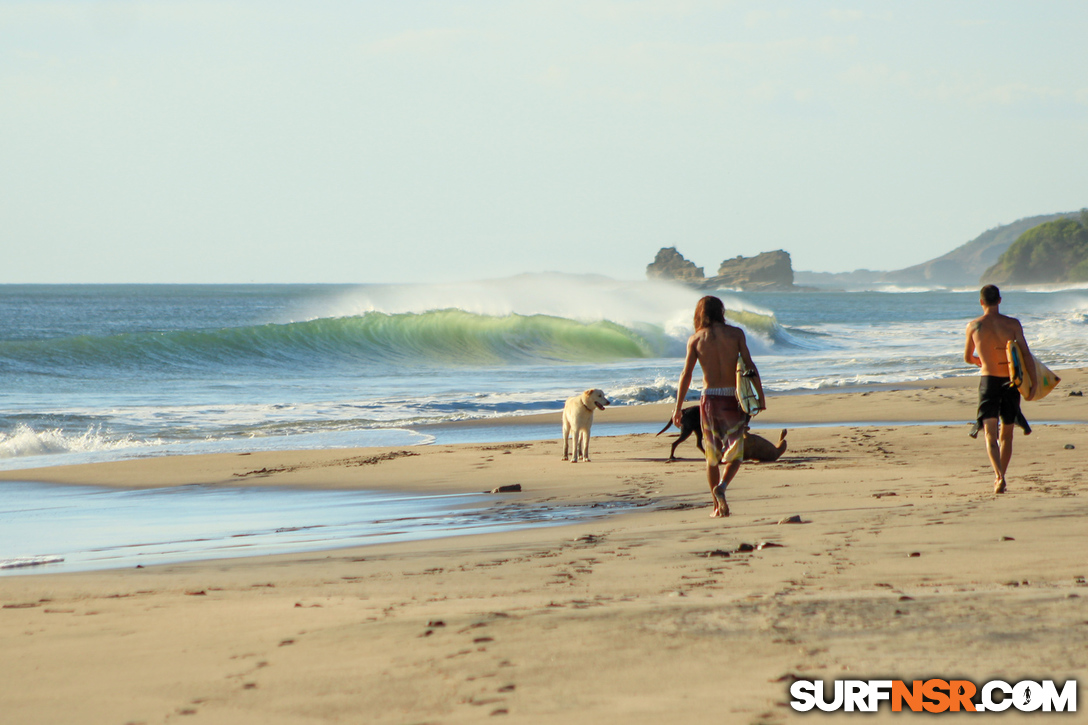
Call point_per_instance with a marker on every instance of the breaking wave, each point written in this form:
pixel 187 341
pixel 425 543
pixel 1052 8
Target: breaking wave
pixel 442 338
pixel 24 441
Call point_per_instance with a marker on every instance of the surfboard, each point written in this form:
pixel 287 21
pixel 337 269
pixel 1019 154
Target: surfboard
pixel 747 394
pixel 1021 373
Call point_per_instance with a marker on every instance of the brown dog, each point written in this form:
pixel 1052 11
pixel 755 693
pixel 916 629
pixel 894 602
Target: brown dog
pixel 756 448
pixel 689 423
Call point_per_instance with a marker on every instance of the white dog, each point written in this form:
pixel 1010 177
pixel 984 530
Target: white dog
pixel 577 420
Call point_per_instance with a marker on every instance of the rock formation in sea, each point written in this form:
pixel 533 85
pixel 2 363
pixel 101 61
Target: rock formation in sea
pixel 766 271
pixel 670 264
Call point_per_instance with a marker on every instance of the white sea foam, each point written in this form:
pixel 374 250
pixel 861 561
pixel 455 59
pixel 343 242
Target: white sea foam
pixel 25 441
pixel 585 298
pixel 28 449
pixel 24 562
pixel 903 289
pixel 1048 289
pixel 662 390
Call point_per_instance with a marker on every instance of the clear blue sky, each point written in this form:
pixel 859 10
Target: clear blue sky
pixel 437 141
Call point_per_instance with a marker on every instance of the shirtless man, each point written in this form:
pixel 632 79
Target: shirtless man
pixel 987 339
pixel 716 346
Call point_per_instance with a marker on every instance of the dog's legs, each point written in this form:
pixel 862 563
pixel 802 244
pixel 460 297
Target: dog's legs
pixel 575 443
pixel 692 422
pixel 581 445
pixel 685 433
pixel 566 437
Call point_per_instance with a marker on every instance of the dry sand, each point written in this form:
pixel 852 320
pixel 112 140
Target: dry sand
pixel 905 566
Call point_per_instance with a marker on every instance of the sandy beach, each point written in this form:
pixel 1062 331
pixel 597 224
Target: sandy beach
pixel 905 565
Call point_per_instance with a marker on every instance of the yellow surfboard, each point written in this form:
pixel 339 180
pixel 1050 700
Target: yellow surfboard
pixel 1022 374
pixel 747 394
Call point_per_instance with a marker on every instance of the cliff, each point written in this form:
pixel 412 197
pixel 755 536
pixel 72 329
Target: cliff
pixel 766 271
pixel 670 264
pixel 1050 253
pixel 769 270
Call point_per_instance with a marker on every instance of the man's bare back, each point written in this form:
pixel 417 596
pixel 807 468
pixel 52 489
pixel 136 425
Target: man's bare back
pixel 717 348
pixel 988 337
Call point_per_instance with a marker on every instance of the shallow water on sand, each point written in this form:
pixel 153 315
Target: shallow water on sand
pixel 52 528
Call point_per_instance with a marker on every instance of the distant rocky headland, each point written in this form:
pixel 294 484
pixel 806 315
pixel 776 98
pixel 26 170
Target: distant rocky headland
pixel 1052 253
pixel 968 265
pixel 771 271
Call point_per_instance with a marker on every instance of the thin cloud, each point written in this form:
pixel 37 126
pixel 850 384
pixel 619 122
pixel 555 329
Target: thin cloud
pixel 629 11
pixel 417 42
pixel 692 73
pixel 1003 95
pixel 854 15
pixel 755 18
pixel 877 75
pixel 1014 93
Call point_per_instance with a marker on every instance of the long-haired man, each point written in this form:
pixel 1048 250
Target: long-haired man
pixel 717 346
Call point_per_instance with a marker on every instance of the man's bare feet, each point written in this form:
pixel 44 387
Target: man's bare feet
pixel 999 486
pixel 721 508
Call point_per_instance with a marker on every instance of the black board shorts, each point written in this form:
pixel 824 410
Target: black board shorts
pixel 997 398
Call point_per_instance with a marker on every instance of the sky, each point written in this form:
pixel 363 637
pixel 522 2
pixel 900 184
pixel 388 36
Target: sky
pixel 408 141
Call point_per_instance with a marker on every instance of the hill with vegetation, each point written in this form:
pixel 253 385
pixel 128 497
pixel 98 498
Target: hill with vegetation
pixel 961 267
pixel 1049 253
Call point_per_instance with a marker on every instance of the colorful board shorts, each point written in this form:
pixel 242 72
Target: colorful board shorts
pixel 723 425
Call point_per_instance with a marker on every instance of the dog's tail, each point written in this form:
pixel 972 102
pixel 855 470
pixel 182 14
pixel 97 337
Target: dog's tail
pixel 665 428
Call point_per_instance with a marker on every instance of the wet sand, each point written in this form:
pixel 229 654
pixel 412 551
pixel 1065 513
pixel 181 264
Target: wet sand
pixel 905 565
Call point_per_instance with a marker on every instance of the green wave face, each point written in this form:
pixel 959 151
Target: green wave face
pixel 443 337
pixel 456 336
pixel 755 322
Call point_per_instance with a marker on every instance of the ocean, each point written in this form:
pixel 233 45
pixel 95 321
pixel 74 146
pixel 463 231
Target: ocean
pixel 104 372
